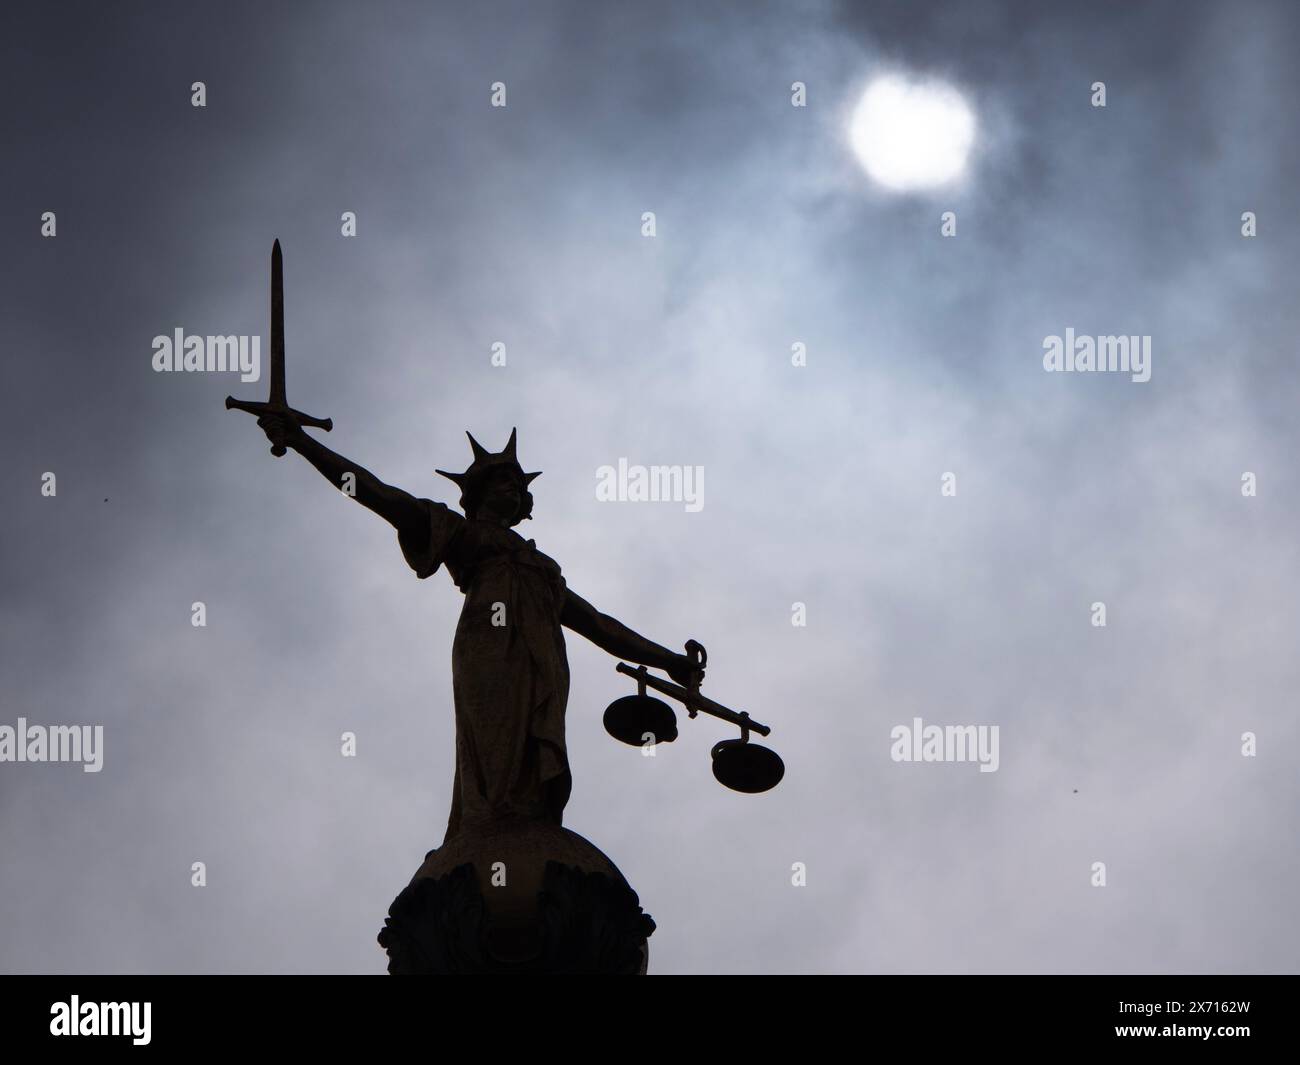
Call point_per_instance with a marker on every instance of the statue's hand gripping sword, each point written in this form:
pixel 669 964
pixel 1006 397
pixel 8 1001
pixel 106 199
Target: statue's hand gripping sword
pixel 278 404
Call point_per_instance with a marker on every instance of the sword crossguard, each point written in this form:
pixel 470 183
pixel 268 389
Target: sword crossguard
pixel 259 409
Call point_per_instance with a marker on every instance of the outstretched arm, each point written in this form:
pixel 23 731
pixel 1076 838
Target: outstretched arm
pixel 400 509
pixel 620 641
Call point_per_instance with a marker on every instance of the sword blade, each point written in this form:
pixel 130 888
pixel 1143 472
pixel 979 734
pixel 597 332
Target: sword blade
pixel 277 328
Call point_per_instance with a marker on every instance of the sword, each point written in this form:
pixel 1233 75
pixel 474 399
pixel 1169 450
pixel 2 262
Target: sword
pixel 278 403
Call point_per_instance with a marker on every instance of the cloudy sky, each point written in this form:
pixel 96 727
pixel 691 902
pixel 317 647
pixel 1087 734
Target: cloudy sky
pixel 522 225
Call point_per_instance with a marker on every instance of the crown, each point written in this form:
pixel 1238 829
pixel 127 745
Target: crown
pixel 486 461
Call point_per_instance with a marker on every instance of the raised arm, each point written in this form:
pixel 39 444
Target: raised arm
pixel 616 638
pixel 400 509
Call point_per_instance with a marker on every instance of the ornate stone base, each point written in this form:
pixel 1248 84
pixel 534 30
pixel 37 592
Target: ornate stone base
pixel 517 898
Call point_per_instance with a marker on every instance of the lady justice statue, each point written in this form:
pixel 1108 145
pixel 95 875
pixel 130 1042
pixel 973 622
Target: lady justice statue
pixel 509 889
pixel 510 675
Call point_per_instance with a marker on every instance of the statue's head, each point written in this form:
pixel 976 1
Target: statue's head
pixel 495 487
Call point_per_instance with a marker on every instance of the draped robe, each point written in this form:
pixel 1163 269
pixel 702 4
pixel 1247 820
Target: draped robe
pixel 510 679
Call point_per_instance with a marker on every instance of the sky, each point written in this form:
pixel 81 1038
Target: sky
pixel 1120 744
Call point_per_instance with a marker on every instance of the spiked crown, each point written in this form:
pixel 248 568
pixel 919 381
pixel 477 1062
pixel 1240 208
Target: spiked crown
pixel 471 481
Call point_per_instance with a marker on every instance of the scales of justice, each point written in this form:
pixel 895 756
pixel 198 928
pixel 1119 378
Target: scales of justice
pixel 510 890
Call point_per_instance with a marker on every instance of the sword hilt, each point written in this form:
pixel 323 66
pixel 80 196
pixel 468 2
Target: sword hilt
pixel 258 409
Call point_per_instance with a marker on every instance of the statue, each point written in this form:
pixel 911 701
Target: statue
pixel 509 889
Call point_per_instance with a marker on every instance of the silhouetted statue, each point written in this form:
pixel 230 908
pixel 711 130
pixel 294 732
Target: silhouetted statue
pixel 510 889
pixel 510 674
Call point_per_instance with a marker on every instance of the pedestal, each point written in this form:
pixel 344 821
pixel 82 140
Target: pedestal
pixel 520 897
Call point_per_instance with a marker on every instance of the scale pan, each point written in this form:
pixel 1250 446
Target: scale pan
pixel 632 717
pixel 747 767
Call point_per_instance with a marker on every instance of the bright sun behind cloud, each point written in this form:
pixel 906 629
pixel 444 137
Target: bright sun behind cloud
pixel 912 134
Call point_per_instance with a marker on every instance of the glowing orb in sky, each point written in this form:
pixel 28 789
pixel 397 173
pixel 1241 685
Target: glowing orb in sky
pixel 912 134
